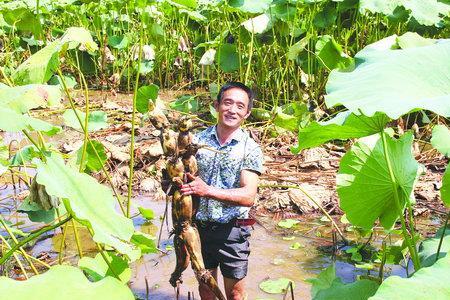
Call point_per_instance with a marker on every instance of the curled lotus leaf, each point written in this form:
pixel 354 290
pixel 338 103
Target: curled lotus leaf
pixel 364 184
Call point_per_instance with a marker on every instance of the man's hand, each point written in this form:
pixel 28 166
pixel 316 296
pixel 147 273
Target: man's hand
pixel 196 186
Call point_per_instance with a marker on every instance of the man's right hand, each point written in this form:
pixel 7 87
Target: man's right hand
pixel 196 186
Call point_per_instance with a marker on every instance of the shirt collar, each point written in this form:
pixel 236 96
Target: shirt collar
pixel 238 135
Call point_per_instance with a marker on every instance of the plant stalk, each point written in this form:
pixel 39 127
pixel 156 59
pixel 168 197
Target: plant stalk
pixel 411 247
pixel 32 237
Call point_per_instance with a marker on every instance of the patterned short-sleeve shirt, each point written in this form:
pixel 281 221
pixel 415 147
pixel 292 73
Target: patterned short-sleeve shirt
pixel 223 170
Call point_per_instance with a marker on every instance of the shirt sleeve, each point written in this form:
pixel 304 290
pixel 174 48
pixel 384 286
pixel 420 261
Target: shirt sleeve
pixel 254 161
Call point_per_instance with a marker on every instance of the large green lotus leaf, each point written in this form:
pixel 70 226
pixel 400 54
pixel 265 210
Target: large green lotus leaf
pixel 145 242
pixel 251 6
pixel 228 58
pixel 97 268
pixel 26 97
pixel 441 139
pixel 426 12
pixel 63 282
pixel 15 122
pixel 96 120
pixel 91 203
pixel 394 81
pixel 323 280
pixel 39 67
pixel 412 39
pixel 364 185
pixel 428 248
pixel 445 189
pixel 427 283
pixel 345 125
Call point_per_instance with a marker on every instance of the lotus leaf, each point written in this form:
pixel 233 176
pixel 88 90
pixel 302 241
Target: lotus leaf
pixel 118 41
pixel 63 282
pixel 441 139
pixel 39 67
pixel 145 242
pixel 91 203
pixel 326 17
pixel 15 122
pixel 426 283
pixel 288 223
pixel 4 157
pixel 328 286
pixel 276 286
pixel 251 6
pixel 147 213
pixel 412 39
pixel 91 162
pixel 97 268
pixel 428 248
pixel 364 184
pixel 22 19
pixel 23 98
pixel 36 213
pixel 394 81
pixel 227 58
pixel 96 120
pixel 69 80
pixel 79 36
pixel 185 103
pixel 426 12
pixel 146 94
pixel 445 189
pixel 330 53
pixel 345 125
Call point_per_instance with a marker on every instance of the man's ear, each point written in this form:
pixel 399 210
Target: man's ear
pixel 248 114
pixel 216 105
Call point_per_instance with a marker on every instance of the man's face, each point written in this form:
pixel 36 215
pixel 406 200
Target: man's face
pixel 233 108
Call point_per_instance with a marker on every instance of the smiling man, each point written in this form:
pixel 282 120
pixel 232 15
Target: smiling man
pixel 227 186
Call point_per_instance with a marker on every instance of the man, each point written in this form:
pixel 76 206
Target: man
pixel 227 186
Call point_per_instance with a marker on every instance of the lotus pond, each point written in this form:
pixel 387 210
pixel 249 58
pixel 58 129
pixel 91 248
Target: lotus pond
pixel 352 111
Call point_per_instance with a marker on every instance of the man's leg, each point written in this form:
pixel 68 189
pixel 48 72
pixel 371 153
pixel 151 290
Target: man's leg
pixel 234 288
pixel 204 290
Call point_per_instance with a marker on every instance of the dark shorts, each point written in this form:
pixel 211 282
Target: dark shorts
pixel 225 246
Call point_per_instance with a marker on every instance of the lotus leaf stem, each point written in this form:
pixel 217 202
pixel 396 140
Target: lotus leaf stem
pixel 442 237
pixel 411 247
pixel 133 117
pixel 15 257
pixel 31 237
pixel 24 254
pixel 105 172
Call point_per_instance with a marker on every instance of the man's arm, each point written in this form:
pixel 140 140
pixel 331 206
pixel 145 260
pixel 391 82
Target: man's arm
pixel 242 196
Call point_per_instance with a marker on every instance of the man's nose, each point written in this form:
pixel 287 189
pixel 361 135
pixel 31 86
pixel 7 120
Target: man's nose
pixel 233 108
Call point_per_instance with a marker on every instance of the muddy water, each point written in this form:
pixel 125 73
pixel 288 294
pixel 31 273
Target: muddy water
pixel 271 256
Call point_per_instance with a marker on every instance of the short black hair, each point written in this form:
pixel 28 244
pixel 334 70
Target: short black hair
pixel 239 85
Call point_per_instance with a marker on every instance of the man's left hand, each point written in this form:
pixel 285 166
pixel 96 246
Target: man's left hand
pixel 196 186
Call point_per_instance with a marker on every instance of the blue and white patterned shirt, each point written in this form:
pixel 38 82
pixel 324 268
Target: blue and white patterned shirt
pixel 223 170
